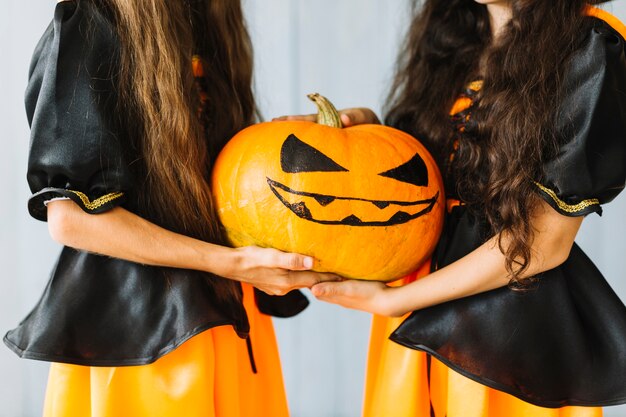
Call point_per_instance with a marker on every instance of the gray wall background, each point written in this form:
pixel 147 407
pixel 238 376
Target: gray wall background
pixel 342 49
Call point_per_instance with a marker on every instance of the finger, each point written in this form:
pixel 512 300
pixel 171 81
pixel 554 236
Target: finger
pixel 319 290
pixel 358 116
pixel 346 120
pixel 329 291
pixel 328 277
pixel 297 117
pixel 308 279
pixel 293 261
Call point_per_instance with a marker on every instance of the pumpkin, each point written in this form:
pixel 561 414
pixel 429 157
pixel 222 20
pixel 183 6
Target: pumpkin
pixel 365 202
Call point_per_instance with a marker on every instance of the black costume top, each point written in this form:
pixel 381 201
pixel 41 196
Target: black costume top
pixel 98 310
pixel 564 342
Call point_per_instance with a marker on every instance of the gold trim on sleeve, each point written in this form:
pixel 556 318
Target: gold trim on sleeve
pixel 98 202
pixel 568 208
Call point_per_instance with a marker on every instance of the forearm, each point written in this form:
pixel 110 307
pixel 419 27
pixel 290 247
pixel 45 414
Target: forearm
pixel 484 268
pixel 481 270
pixel 121 234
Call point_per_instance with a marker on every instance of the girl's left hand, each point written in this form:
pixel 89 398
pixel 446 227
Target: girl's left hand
pixel 370 296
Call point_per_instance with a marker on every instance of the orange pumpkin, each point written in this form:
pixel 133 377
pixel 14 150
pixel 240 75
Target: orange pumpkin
pixel 365 201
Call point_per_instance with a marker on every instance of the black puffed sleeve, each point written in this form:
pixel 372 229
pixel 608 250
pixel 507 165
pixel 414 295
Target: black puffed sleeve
pixel 589 168
pixel 76 148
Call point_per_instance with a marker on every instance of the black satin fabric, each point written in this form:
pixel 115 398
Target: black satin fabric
pixel 591 162
pixel 98 310
pixel 102 311
pixel 77 143
pixel 563 342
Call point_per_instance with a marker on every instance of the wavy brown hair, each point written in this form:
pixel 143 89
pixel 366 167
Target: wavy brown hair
pixel 511 131
pixel 177 136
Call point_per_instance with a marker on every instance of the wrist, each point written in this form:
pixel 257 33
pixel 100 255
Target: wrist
pixel 220 260
pixel 392 303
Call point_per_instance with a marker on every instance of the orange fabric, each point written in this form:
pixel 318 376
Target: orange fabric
pixel 196 66
pixel 396 380
pixel 460 105
pixel 453 395
pixel 397 383
pixel 452 203
pixel 210 375
pixel 612 21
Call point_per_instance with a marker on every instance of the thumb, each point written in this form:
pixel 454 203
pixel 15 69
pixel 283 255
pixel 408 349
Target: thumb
pixel 328 289
pixel 319 290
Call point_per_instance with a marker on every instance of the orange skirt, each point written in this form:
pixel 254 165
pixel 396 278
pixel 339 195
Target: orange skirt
pixel 210 375
pixel 398 384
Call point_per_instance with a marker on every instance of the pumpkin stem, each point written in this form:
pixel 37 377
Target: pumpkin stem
pixel 327 114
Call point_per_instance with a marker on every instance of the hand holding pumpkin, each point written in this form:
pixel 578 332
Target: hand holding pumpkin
pixel 365 201
pixel 274 272
pixel 349 117
pixel 369 296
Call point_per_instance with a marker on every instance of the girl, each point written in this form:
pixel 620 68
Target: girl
pixel 122 129
pixel 523 103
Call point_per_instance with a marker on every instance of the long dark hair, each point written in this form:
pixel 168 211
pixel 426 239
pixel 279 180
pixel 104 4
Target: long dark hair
pixel 177 136
pixel 512 123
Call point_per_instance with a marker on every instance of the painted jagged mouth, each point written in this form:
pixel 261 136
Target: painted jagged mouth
pixel 296 201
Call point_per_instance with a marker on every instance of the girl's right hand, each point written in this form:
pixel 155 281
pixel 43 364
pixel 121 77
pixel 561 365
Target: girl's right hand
pixel 349 117
pixel 275 272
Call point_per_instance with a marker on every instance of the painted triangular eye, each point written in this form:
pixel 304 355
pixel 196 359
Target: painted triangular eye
pixel 297 156
pixel 414 171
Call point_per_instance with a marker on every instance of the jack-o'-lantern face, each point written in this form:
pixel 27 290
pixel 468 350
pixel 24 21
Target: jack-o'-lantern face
pixel 365 201
pixel 298 157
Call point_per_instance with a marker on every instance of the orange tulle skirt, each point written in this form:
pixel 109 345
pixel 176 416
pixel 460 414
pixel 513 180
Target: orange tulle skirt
pixel 398 384
pixel 210 375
